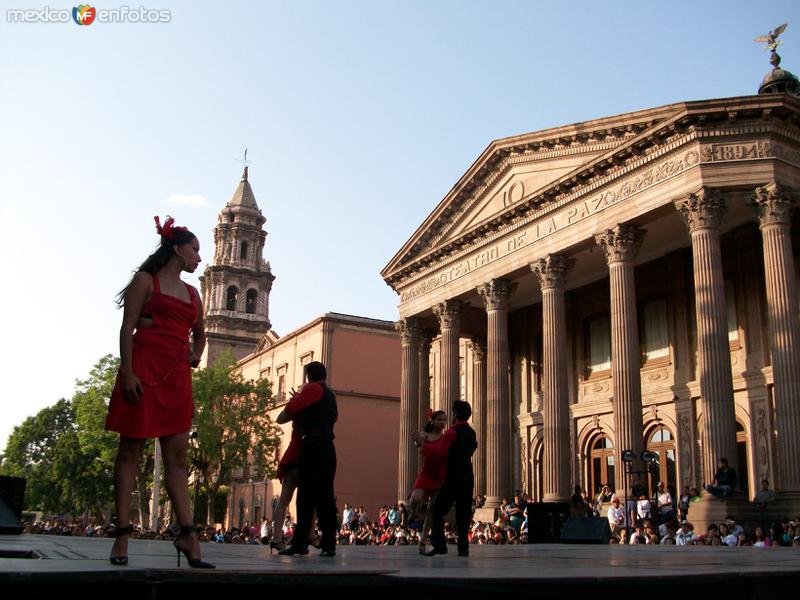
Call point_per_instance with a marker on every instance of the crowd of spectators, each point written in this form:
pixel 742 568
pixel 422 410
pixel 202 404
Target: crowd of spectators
pixel 660 518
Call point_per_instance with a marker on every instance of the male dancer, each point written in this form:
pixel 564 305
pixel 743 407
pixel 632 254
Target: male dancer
pixel 314 411
pixel 459 483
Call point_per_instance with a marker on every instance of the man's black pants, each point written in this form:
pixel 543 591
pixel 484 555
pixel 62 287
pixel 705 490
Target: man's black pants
pixel 459 492
pixel 315 491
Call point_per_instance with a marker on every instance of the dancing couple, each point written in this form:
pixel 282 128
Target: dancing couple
pixel 446 477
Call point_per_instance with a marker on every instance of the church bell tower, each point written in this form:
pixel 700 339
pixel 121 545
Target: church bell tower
pixel 237 283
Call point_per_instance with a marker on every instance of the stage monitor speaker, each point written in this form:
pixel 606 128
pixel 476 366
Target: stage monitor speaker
pixel 586 530
pixel 545 520
pixel 12 495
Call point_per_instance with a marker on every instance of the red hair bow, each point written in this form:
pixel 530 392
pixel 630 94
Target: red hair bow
pixel 430 414
pixel 167 231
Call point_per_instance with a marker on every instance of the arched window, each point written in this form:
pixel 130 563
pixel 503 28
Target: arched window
pixel 661 442
pixel 243 251
pixel 598 332
pixel 601 464
pixel 251 301
pixel 655 335
pixel 233 296
pixel 242 508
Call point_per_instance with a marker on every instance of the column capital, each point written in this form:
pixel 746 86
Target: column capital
pixel 410 330
pixel 620 243
pixel 496 293
pixel 774 204
pixel 425 338
pixel 704 209
pixel 449 313
pixel 478 346
pixel 552 270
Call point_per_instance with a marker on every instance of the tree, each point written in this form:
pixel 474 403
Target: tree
pixel 65 453
pixel 234 429
pixel 44 450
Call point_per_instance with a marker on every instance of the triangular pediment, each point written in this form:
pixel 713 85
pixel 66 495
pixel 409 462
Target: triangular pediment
pixel 513 170
pixel 267 341
pixel 519 183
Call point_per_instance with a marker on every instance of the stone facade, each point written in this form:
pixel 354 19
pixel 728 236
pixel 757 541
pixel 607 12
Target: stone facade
pixel 610 279
pixel 362 357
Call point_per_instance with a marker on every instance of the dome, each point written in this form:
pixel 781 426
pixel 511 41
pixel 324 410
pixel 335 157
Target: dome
pixel 778 81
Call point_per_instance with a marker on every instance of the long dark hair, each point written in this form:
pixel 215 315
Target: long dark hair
pixel 429 424
pixel 158 259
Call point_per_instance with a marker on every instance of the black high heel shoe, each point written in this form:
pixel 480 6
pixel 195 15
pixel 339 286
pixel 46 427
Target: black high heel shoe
pixel 120 561
pixel 293 551
pixel 195 563
pixel 279 546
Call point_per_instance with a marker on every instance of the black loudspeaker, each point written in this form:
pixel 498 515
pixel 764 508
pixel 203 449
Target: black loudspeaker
pixel 545 520
pixel 586 530
pixel 12 495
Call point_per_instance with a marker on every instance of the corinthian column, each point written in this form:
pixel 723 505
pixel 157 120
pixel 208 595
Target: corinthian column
pixel 409 404
pixel 449 315
pixel 424 379
pixel 621 245
pixel 552 274
pixel 495 296
pixel 775 206
pixel 703 212
pixel 479 412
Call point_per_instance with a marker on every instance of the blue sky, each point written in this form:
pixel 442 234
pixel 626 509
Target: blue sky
pixel 359 117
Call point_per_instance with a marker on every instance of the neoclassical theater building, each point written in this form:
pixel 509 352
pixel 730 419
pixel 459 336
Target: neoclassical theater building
pixel 625 283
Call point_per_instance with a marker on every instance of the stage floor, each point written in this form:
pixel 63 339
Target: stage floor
pixel 541 570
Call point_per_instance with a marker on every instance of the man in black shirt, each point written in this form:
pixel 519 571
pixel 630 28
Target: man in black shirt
pixel 314 411
pixel 724 480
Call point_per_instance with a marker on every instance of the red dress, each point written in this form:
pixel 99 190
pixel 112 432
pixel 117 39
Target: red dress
pixel 434 465
pixel 161 362
pixel 291 458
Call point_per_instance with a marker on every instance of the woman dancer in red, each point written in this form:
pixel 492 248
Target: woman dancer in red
pixel 434 447
pixel 287 475
pixel 152 396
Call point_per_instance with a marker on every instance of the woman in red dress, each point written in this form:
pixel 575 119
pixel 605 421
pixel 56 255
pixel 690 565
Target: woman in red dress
pixel 287 475
pixel 152 396
pixel 433 447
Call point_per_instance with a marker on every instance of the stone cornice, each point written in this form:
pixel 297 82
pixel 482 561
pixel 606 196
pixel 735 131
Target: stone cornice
pixel 230 270
pixel 779 115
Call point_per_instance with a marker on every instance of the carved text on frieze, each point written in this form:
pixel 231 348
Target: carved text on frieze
pixel 738 151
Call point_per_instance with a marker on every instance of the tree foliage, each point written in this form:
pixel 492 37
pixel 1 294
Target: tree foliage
pixel 234 429
pixel 64 451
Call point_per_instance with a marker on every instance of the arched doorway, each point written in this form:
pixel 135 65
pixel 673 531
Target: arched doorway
pixel 661 442
pixel 601 469
pixel 537 481
pixel 741 459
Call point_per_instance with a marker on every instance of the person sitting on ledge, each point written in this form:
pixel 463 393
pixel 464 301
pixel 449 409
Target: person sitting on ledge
pixel 764 496
pixel 724 480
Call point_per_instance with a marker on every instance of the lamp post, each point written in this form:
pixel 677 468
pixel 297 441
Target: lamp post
pixel 627 461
